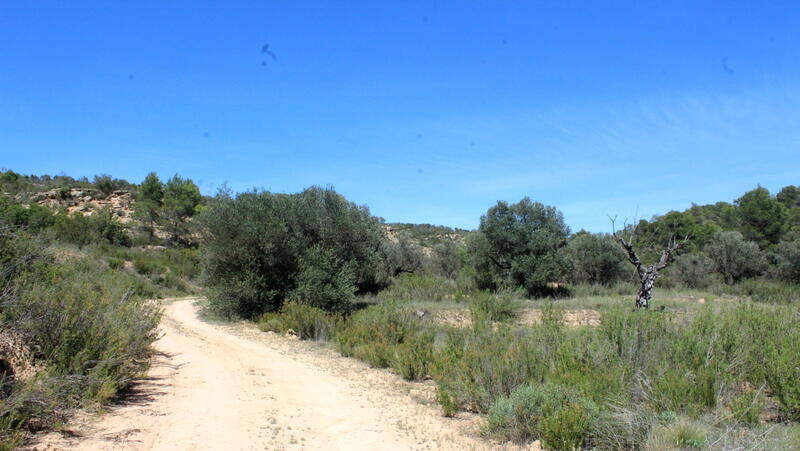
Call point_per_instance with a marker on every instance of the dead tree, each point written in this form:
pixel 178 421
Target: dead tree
pixel 647 273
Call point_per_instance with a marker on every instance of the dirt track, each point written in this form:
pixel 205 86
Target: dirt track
pixel 231 387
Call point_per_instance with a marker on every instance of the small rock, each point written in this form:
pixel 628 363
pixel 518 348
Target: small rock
pixel 536 446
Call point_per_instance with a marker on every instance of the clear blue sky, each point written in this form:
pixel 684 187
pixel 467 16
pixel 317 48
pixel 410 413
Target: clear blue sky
pixel 424 111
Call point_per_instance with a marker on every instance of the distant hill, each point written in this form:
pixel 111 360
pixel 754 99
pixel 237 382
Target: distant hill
pixel 426 235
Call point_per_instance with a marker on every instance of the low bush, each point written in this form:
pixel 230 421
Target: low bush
pixel 765 291
pixel 102 227
pixel 485 306
pixel 387 335
pixel 678 436
pixel 559 416
pixel 412 356
pixel 308 322
pixel 146 267
pixel 90 325
pixel 420 288
pixel 748 406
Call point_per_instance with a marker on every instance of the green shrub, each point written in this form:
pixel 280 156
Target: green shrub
pixel 693 270
pixel 372 334
pixel 309 322
pixel 769 292
pixel 448 402
pixel 787 261
pixel 595 259
pixel 484 306
pixel 734 257
pixel 115 263
pixel 478 366
pixel 680 435
pixel 259 247
pixel 412 356
pixel 91 325
pixel 146 266
pixel 420 288
pixel 102 227
pixel 747 406
pixel 557 415
pixel 324 280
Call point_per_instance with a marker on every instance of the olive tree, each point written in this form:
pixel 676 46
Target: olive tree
pixel 734 257
pixel 260 249
pixel 595 258
pixel 517 246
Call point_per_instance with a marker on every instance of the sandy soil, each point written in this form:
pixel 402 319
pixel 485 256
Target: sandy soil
pixel 231 387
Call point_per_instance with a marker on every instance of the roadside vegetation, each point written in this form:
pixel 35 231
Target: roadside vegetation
pixel 521 321
pixel 77 318
pixel 712 365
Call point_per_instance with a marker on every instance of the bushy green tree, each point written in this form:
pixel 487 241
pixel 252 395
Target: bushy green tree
pixel 693 270
pixel 764 218
pixel 402 255
pixel 149 203
pixel 445 259
pixel 787 261
pixel 734 257
pixel 595 258
pixel 34 217
pixel 180 201
pixel 262 248
pixel 789 196
pixel 518 247
pixel 102 227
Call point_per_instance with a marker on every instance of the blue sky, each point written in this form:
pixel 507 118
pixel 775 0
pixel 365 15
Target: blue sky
pixel 426 112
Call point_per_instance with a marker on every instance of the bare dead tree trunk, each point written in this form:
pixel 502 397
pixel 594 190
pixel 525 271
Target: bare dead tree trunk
pixel 647 273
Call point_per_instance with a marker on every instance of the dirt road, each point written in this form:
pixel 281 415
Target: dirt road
pixel 231 387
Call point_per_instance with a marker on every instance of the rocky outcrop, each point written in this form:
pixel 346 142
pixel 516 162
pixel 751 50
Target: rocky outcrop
pixel 88 201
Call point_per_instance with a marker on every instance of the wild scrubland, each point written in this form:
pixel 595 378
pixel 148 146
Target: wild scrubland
pixel 522 321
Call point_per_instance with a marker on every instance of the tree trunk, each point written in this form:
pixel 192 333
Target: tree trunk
pixel 647 273
pixel 646 290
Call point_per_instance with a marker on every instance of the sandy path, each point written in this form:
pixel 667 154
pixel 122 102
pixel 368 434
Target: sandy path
pixel 231 387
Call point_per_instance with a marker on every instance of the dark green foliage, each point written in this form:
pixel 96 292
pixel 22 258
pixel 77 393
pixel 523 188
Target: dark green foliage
pixel 24 185
pixel 103 227
pixel 693 270
pixel 561 417
pixel 180 202
pixel 325 281
pixel 787 261
pixel 262 248
pixel 33 217
pixel 734 257
pixel 149 204
pixel 445 259
pixel 596 259
pixel 105 183
pixel 518 246
pixel 402 255
pixel 763 217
